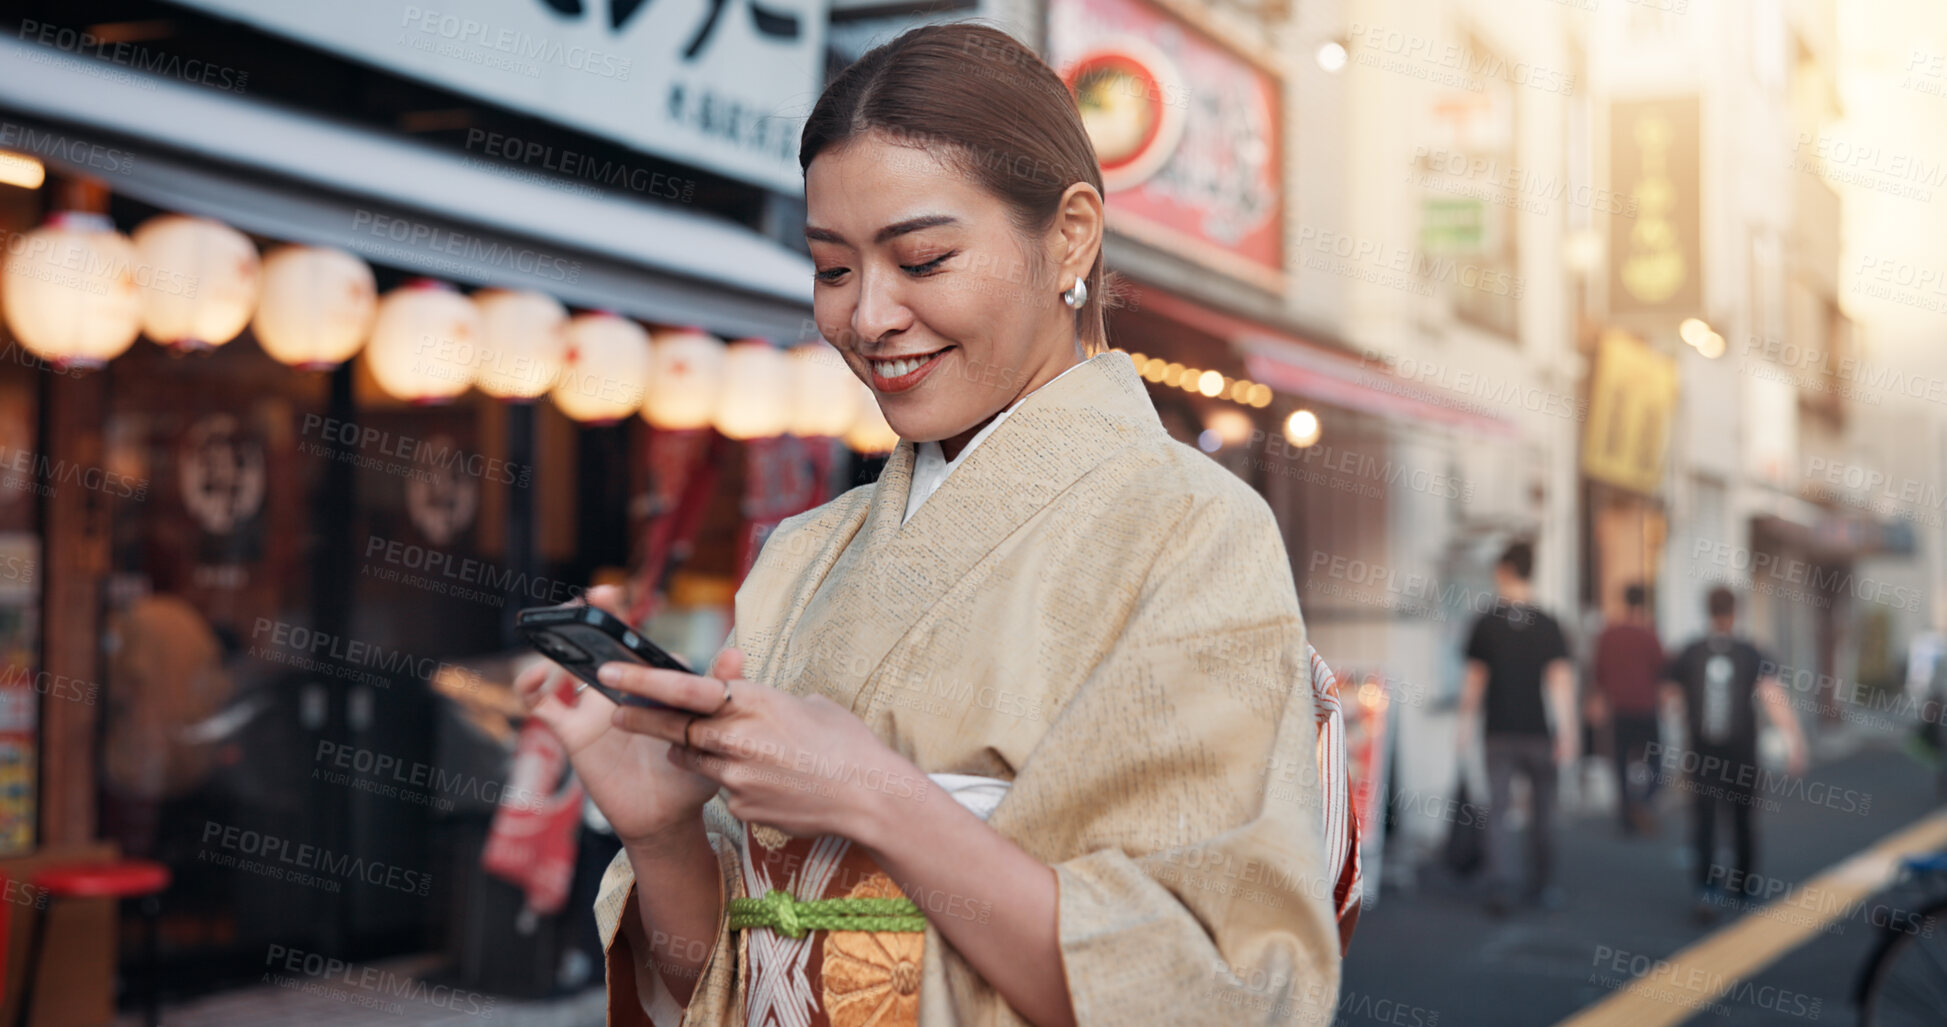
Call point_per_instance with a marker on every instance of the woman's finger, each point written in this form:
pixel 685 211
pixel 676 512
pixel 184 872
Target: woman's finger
pixel 607 597
pixel 531 683
pixel 667 725
pixel 729 665
pixel 670 687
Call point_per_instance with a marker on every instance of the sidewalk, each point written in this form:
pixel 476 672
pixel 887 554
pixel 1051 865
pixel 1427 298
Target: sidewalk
pixel 314 1003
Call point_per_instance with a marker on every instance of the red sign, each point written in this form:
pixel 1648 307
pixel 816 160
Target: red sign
pixel 1187 133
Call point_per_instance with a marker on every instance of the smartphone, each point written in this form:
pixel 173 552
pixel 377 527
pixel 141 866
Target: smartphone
pixel 582 638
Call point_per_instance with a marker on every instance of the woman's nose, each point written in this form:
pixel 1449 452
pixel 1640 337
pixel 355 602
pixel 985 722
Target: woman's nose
pixel 880 310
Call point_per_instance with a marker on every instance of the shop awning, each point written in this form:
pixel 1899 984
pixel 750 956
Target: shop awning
pixel 1307 370
pixel 300 176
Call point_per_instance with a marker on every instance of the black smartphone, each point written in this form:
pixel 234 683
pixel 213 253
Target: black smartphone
pixel 582 638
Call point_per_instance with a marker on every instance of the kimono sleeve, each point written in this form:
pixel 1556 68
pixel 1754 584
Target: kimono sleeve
pixel 636 993
pixel 1189 778
pixel 637 996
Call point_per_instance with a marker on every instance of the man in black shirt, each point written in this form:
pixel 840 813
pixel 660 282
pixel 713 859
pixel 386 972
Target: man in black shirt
pixel 1514 652
pixel 1716 679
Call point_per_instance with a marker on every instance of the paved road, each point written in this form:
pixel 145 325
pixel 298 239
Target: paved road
pixel 1433 958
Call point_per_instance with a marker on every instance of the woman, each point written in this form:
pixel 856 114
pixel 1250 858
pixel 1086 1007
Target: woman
pixel 1041 695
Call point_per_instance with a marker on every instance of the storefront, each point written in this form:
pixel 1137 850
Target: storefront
pixel 257 582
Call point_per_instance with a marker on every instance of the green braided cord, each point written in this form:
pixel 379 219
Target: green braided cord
pixel 792 918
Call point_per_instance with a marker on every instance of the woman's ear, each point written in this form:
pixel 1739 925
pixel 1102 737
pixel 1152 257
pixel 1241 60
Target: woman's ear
pixel 1077 233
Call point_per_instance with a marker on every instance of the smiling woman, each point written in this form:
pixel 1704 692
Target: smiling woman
pixel 974 720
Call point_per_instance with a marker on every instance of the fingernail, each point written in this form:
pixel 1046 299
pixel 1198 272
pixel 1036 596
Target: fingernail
pixel 609 674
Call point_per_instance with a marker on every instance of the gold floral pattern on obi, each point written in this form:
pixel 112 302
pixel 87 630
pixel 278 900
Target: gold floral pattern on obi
pixel 871 978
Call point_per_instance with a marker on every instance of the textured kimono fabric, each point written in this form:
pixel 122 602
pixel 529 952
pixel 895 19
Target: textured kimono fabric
pixel 1106 618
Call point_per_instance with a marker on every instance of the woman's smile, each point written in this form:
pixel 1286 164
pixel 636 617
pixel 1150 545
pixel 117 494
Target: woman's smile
pixel 897 374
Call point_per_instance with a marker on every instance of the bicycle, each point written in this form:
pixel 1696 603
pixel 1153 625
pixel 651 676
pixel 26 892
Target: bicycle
pixel 1904 979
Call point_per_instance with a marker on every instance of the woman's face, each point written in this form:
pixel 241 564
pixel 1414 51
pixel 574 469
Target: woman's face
pixel 929 291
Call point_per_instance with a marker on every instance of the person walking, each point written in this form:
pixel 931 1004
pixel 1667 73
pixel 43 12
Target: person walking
pixel 1628 666
pixel 1717 678
pixel 1515 652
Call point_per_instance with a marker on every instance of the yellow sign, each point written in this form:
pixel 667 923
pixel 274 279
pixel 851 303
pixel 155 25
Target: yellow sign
pixel 1631 398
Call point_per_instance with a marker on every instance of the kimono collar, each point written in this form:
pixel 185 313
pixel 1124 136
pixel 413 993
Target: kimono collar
pixel 1056 434
pixel 863 554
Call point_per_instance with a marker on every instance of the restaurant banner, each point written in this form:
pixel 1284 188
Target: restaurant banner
pixel 721 84
pixel 1656 257
pixel 1187 132
pixel 1631 399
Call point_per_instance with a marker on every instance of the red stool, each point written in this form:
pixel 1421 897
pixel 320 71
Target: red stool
pixel 127 879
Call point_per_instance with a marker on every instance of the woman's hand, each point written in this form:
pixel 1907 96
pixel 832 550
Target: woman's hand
pixel 802 764
pixel 641 792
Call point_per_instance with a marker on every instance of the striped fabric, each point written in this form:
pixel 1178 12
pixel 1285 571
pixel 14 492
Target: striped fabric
pixel 1340 819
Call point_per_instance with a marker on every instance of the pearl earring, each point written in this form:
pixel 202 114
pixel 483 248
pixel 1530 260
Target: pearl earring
pixel 1076 295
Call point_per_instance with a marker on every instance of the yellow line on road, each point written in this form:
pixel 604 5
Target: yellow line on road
pixel 1680 986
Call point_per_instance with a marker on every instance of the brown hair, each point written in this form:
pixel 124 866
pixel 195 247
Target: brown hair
pixel 1722 602
pixel 979 100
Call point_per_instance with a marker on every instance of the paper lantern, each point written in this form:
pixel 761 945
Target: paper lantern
pixel 425 334
pixel 823 400
pixel 605 373
pixel 869 432
pixel 317 307
pixel 203 277
pixel 756 399
pixel 687 381
pixel 524 336
pixel 68 290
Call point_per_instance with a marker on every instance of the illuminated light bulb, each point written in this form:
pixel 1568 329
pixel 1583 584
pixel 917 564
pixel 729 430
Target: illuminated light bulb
pixel 524 337
pixel 1331 56
pixel 422 329
pixel 1172 373
pixel 317 307
pixel 823 402
pixel 605 373
pixel 1712 346
pixel 1211 384
pixel 1232 426
pixel 21 170
pixel 1153 370
pixel 1301 428
pixel 870 433
pixel 69 290
pixel 687 382
pixel 203 281
pixel 757 391
pixel 1260 395
pixel 1693 331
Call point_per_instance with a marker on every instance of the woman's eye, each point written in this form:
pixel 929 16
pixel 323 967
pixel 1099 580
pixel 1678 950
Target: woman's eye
pixel 930 266
pixel 829 275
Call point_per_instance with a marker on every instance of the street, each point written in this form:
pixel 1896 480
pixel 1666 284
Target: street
pixel 1434 957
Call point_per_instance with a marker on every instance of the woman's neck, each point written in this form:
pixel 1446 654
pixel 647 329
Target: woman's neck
pixel 951 447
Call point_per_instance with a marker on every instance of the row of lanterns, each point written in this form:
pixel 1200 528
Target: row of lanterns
pixel 77 293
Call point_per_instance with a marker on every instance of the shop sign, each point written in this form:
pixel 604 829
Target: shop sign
pixel 1187 131
pixel 1631 397
pixel 1453 226
pixel 1656 258
pixel 720 84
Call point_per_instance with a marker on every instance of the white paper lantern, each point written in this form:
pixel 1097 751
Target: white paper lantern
pixel 869 432
pixel 68 290
pixel 524 336
pixel 317 307
pixel 203 281
pixel 687 381
pixel 425 334
pixel 756 391
pixel 605 373
pixel 824 400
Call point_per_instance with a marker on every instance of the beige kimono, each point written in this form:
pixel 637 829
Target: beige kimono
pixel 1105 618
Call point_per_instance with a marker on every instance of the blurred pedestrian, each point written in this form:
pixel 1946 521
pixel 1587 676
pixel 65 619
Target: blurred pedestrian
pixel 1513 653
pixel 1628 666
pixel 1718 678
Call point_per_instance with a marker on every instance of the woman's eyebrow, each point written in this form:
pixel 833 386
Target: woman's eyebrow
pixel 892 231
